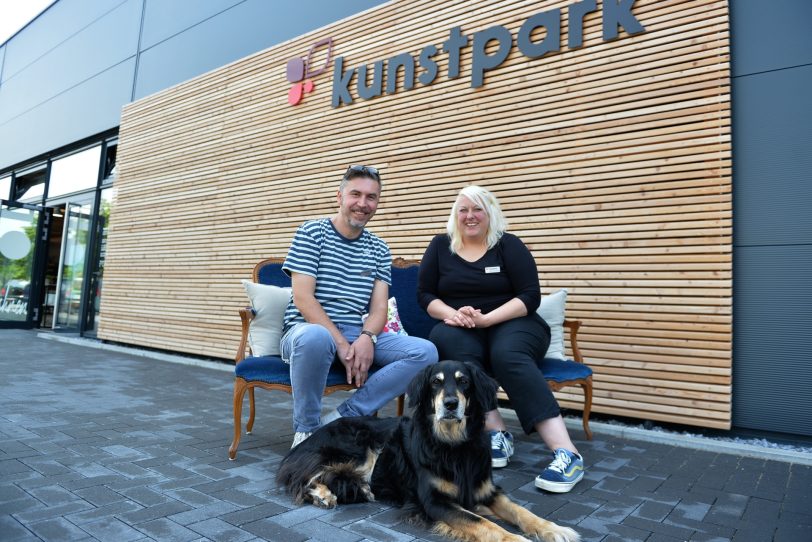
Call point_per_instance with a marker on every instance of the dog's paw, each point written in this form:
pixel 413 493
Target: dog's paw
pixel 326 501
pixel 322 497
pixel 368 494
pixel 557 533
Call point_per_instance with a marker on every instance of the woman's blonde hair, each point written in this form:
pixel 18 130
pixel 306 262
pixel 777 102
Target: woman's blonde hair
pixel 497 224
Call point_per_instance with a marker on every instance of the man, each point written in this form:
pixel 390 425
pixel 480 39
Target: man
pixel 338 271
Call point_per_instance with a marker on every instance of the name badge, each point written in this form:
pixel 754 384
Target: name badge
pixel 494 269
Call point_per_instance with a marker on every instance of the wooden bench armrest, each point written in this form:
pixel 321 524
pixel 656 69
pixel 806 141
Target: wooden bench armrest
pixel 246 315
pixel 573 326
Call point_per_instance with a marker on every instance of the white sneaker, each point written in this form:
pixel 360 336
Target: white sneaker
pixel 300 437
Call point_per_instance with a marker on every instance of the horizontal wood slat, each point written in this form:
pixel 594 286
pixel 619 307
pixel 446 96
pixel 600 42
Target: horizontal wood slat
pixel 612 162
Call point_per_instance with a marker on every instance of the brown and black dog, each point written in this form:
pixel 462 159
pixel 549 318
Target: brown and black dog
pixel 436 464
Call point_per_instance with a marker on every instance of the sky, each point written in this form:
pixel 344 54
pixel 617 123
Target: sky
pixel 15 14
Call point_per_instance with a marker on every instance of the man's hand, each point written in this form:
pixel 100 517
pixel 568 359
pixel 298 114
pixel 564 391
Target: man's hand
pixel 362 352
pixel 345 355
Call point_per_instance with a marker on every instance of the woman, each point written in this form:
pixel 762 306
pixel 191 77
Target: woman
pixel 482 284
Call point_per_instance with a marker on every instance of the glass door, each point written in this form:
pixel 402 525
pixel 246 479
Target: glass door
pixel 71 275
pixel 18 233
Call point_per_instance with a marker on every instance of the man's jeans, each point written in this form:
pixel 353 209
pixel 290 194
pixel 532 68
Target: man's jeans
pixel 310 351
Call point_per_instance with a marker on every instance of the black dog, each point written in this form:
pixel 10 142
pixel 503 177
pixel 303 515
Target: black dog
pixel 437 464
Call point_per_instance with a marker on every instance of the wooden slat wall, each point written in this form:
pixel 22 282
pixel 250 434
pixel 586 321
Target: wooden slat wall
pixel 612 162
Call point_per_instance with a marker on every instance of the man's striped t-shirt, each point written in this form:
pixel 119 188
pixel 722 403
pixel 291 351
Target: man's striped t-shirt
pixel 345 270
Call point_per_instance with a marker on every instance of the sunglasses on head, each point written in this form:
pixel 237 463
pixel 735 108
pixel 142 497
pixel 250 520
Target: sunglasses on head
pixel 363 170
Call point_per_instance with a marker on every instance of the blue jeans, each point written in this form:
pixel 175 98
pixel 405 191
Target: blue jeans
pixel 310 351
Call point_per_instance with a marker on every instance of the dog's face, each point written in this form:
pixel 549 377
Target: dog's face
pixel 452 395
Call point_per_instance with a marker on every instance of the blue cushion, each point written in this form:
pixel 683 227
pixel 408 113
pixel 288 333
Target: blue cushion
pixel 272 370
pixel 404 288
pixel 415 320
pixel 562 370
pixel 273 275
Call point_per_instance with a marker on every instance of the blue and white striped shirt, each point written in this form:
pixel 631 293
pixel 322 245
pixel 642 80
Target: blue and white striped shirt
pixel 345 270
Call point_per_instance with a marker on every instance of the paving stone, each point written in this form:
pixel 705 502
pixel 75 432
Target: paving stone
pixel 53 495
pixel 111 528
pixel 268 530
pixel 12 466
pixel 90 481
pixel 191 497
pixel 112 509
pixel 202 513
pixel 165 529
pixel 144 496
pixel 657 527
pixel 155 512
pixel 220 531
pixel 571 513
pixel 57 529
pixel 654 511
pixel 13 531
pixel 793 533
pixel 319 530
pixel 20 505
pixel 51 512
pixel 252 514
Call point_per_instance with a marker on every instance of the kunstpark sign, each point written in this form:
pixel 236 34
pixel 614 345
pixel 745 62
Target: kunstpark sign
pixel 368 81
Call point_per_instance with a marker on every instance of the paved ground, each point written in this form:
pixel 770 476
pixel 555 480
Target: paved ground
pixel 99 445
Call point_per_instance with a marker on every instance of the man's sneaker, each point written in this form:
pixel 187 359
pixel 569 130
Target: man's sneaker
pixel 563 473
pixel 501 448
pixel 299 437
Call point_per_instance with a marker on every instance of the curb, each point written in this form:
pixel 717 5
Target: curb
pixel 92 343
pixel 694 442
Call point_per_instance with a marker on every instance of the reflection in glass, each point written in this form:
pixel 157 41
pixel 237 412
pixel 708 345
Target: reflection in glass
pixel 109 174
pixel 17 234
pixel 72 264
pixel 5 187
pixel 74 173
pixel 29 185
pixel 97 273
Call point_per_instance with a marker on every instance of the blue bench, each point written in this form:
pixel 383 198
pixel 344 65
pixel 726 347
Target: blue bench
pixel 271 373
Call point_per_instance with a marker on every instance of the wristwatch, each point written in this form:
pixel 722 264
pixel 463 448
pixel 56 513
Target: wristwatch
pixel 372 336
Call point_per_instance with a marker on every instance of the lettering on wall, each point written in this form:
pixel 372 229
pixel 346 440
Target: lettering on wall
pixel 368 80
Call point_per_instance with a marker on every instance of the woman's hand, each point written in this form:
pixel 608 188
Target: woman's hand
pixel 464 317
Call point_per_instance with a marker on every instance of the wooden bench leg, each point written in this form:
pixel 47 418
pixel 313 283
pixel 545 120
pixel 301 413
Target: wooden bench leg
pixel 251 412
pixel 240 386
pixel 587 407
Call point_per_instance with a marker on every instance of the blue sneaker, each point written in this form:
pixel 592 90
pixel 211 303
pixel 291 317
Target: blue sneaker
pixel 501 448
pixel 563 473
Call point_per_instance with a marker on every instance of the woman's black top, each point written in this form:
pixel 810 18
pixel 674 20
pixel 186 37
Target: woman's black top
pixel 506 271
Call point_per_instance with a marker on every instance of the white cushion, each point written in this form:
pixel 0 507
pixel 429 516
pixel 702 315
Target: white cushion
pixel 269 303
pixel 552 310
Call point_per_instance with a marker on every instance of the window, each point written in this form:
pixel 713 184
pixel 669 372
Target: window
pixel 29 184
pixel 75 173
